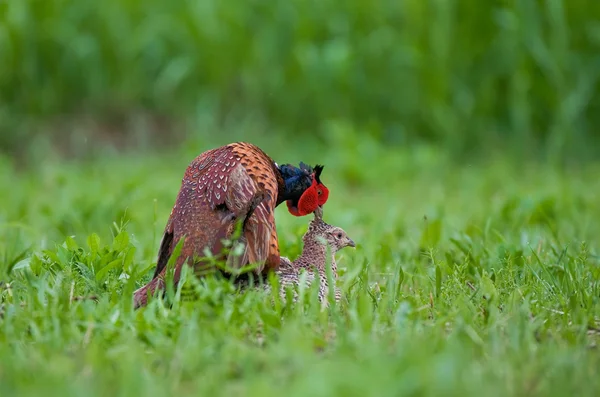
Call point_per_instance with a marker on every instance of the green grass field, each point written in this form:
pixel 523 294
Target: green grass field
pixel 460 140
pixel 477 279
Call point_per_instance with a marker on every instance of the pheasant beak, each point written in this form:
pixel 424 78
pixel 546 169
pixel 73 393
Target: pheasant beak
pixel 318 213
pixel 351 243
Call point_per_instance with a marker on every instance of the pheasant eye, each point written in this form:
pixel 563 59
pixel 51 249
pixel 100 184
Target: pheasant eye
pixel 339 235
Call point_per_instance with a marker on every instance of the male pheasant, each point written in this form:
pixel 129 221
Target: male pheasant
pixel 317 239
pixel 226 186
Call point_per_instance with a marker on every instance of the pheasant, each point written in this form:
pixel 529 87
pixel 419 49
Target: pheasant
pixel 317 239
pixel 223 188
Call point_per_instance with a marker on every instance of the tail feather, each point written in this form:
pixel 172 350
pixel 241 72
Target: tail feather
pixel 140 296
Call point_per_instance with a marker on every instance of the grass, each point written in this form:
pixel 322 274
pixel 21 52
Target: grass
pixel 468 279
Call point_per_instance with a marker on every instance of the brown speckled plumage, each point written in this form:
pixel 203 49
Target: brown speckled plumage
pixel 319 239
pixel 236 182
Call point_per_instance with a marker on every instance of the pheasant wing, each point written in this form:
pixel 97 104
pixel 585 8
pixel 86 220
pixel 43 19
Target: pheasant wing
pixel 191 202
pixel 258 228
pixel 227 180
pixel 260 231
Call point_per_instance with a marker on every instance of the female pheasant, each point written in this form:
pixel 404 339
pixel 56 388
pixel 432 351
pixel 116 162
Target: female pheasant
pixel 317 239
pixel 226 186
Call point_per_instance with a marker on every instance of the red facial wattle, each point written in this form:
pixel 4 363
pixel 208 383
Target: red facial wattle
pixel 323 193
pixel 292 209
pixel 316 195
pixel 309 201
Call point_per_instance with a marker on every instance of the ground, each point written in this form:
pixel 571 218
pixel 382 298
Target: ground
pixel 468 279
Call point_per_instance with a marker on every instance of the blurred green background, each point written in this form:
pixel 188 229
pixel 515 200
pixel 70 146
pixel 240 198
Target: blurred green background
pixel 472 77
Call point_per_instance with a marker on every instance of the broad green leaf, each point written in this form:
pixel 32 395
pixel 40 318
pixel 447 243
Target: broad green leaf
pixel 71 243
pixel 93 242
pixel 121 241
pixel 103 273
